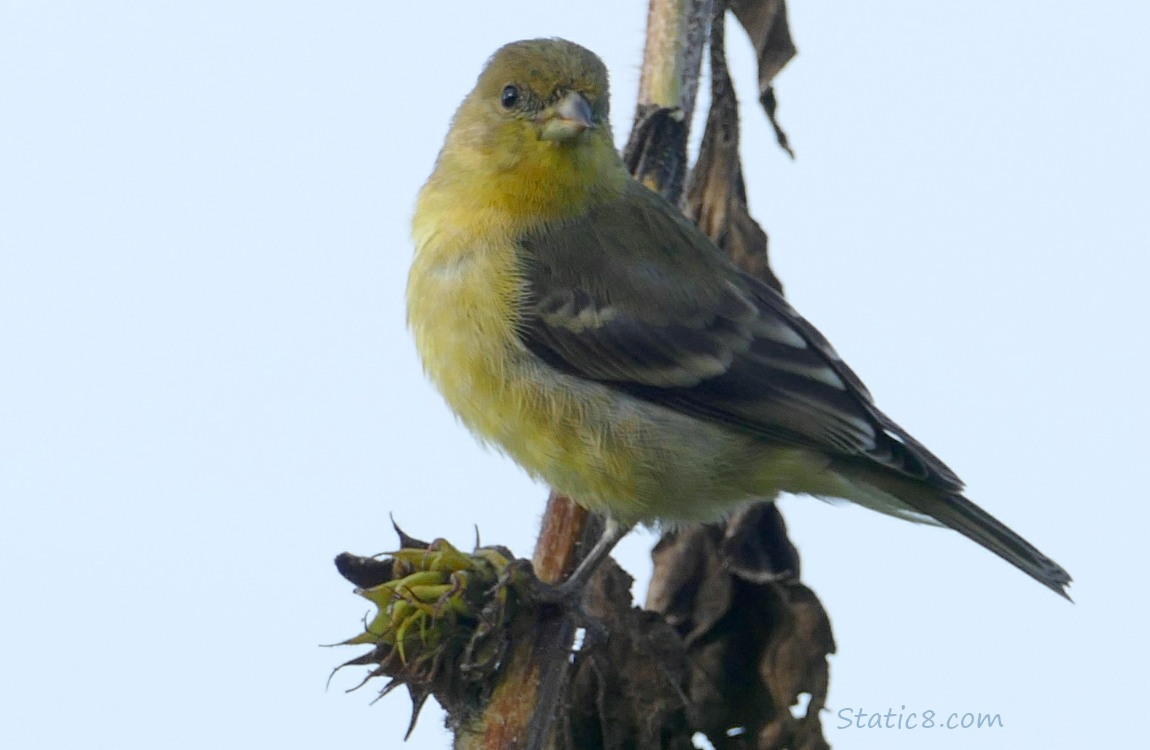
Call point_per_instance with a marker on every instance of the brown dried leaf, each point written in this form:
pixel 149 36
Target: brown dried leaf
pixel 716 194
pixel 656 152
pixel 755 638
pixel 364 572
pixel 766 24
pixel 689 585
pixel 756 547
pixel 627 690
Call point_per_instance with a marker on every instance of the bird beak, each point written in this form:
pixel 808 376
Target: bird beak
pixel 569 117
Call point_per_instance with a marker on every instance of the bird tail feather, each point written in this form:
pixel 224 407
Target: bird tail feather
pixel 957 512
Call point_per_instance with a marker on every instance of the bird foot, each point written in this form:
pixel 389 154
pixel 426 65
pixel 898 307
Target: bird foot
pixel 569 597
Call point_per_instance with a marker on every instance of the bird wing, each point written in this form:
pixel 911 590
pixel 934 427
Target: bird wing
pixel 636 297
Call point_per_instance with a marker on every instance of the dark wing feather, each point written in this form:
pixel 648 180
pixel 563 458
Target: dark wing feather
pixel 635 296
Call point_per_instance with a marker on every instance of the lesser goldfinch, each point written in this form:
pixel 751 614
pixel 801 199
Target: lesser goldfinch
pixel 576 320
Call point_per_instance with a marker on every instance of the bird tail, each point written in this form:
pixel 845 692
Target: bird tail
pixel 951 509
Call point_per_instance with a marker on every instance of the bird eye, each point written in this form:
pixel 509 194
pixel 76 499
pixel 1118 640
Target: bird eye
pixel 510 97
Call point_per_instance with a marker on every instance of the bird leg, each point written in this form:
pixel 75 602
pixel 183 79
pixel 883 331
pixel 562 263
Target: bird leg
pixel 572 588
pixel 570 591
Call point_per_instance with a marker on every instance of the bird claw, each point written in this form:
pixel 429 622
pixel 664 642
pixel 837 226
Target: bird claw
pixel 569 596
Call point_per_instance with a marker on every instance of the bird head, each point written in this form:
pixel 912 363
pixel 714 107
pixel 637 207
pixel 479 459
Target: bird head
pixel 544 90
pixel 536 126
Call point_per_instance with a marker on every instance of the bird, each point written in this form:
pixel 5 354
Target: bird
pixel 575 320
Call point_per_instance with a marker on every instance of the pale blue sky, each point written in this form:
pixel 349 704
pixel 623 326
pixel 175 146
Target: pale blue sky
pixel 207 390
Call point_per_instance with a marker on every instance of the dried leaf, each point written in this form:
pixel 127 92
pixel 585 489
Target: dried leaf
pixel 716 194
pixel 755 638
pixel 690 585
pixel 656 153
pixel 766 24
pixel 627 690
pixel 364 572
pixel 756 548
